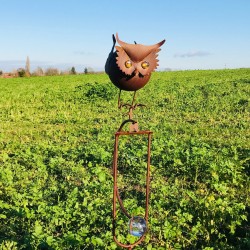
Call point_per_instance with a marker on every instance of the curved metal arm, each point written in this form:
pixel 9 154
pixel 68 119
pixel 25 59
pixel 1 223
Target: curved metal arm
pixel 124 122
pixel 116 195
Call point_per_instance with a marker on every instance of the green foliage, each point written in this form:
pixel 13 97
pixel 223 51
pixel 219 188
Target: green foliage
pixel 21 72
pixel 56 145
pixel 73 71
pixel 94 91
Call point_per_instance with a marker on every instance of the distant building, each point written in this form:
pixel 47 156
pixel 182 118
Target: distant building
pixel 7 75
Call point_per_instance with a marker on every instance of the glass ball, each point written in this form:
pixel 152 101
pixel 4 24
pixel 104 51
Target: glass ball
pixel 137 226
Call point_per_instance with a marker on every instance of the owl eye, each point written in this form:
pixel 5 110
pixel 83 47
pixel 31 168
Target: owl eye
pixel 128 64
pixel 145 65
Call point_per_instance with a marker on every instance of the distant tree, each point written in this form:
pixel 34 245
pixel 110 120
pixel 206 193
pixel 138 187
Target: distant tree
pixel 73 71
pixel 27 66
pixel 21 72
pixel 65 72
pixel 85 70
pixel 38 72
pixel 52 72
pixel 1 72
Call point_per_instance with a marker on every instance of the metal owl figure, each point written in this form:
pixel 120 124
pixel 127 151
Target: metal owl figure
pixel 129 67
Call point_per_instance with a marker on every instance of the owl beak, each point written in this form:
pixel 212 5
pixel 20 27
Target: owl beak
pixel 136 72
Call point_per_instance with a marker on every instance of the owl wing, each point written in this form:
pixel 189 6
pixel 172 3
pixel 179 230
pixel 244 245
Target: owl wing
pixel 152 60
pixel 121 58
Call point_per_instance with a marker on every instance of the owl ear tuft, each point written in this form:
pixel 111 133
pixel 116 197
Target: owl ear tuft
pixel 121 59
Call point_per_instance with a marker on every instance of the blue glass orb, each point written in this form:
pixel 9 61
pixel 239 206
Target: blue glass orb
pixel 137 226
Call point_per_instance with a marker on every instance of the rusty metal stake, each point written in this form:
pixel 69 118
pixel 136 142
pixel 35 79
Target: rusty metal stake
pixel 116 195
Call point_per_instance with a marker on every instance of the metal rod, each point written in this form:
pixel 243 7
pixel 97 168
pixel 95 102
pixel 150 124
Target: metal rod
pixel 116 194
pixel 115 180
pixel 121 204
pixel 133 100
pixel 148 178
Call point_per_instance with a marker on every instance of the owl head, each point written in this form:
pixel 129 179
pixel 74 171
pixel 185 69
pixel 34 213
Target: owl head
pixel 130 66
pixel 137 58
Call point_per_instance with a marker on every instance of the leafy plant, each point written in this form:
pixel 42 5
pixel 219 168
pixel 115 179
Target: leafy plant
pixel 56 145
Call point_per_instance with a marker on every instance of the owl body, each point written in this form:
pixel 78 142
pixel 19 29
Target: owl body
pixel 130 66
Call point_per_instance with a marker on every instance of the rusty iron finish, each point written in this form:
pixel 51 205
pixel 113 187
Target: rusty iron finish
pixel 135 76
pixel 129 67
pixel 116 195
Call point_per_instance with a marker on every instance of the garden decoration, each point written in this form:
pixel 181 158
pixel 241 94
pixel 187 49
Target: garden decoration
pixel 129 68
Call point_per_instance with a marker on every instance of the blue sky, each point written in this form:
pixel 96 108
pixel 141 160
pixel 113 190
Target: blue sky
pixel 64 33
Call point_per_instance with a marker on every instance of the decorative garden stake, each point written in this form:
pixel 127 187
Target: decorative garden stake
pixel 129 68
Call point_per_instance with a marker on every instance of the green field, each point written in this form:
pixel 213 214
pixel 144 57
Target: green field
pixel 56 145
